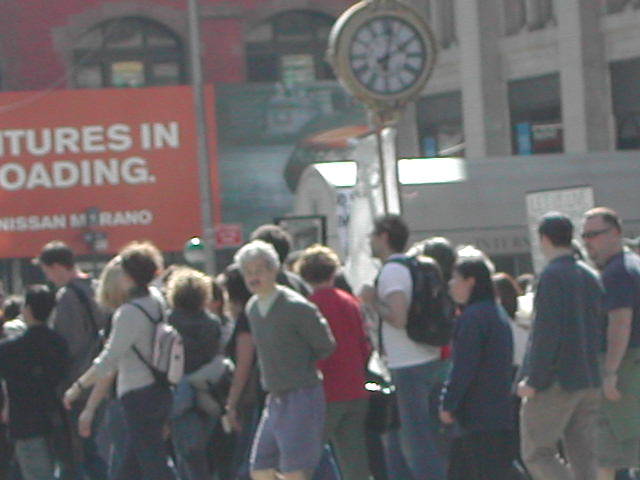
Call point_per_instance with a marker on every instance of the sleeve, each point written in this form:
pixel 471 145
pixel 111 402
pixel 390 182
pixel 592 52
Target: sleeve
pixel 546 332
pixel 394 277
pixel 242 323
pixel 315 330
pixel 128 327
pixel 618 287
pixel 7 356
pixel 466 360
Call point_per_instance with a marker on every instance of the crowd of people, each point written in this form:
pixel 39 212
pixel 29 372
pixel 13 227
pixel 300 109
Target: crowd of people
pixel 265 371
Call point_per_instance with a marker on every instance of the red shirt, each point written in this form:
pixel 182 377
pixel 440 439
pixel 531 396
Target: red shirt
pixel 343 371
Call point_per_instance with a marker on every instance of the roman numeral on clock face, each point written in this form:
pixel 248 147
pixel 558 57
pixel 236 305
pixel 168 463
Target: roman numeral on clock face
pixel 387 55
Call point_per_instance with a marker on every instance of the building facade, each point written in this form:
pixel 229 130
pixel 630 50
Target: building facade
pixel 513 77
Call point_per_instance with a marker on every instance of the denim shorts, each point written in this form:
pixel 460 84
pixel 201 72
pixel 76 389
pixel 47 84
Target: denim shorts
pixel 289 437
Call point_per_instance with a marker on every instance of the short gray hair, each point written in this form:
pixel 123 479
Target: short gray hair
pixel 255 250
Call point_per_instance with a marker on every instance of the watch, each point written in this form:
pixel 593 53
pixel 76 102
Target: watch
pixel 382 51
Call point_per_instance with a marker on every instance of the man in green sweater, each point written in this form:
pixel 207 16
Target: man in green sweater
pixel 291 336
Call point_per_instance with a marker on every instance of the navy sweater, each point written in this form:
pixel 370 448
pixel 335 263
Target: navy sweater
pixel 478 391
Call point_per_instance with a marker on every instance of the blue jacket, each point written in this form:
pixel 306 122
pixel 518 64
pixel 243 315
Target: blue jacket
pixel 478 391
pixel 566 331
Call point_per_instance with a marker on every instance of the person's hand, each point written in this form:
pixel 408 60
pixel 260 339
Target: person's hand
pixel 610 387
pixel 84 422
pixel 446 417
pixel 71 395
pixel 525 391
pixel 368 294
pixel 231 417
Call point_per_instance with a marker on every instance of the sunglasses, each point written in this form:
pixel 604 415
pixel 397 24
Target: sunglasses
pixel 594 233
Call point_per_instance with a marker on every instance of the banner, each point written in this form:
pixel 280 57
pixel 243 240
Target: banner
pixel 119 163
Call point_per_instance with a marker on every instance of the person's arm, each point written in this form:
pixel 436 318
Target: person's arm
pixel 394 309
pixel 546 335
pixel 618 303
pixel 618 333
pixel 245 354
pixel 466 361
pixel 127 326
pixel 390 300
pixel 314 328
pixel 98 393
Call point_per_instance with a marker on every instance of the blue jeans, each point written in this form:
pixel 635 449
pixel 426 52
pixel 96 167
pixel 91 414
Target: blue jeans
pixel 190 433
pixel 34 458
pixel 412 450
pixel 147 411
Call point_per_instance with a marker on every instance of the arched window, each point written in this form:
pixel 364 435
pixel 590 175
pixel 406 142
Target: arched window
pixel 289 47
pixel 128 52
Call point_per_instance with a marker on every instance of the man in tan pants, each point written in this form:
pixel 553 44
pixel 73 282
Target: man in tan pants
pixel 560 376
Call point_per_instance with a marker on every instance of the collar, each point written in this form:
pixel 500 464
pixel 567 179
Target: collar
pixel 564 258
pixel 615 256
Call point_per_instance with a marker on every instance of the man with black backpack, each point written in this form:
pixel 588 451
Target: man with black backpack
pixel 415 366
pixel 78 320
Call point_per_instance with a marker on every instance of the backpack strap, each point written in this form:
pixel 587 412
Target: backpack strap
pixel 154 322
pixel 147 314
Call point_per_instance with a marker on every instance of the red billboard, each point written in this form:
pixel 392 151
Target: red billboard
pixel 120 162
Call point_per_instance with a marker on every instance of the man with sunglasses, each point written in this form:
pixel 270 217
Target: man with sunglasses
pixel 619 436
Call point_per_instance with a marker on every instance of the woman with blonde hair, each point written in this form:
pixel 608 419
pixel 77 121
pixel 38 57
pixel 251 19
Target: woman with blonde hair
pixel 109 296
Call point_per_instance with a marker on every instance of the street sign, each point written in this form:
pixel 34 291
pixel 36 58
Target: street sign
pixel 228 235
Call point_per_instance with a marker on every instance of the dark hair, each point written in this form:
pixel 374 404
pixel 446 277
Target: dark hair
pixel 11 307
pixel 477 268
pixel 40 300
pixel 440 249
pixel 609 216
pixel 235 286
pixel 57 252
pixel 276 236
pixel 396 229
pixel 141 261
pixel 508 292
pixel 526 281
pixel 557 227
pixel 318 264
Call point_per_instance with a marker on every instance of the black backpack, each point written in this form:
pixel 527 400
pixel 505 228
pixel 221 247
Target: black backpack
pixel 430 318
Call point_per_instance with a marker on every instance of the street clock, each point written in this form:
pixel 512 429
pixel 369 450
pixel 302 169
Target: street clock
pixel 383 52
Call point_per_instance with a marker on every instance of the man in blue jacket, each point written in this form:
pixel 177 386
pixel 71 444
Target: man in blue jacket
pixel 560 375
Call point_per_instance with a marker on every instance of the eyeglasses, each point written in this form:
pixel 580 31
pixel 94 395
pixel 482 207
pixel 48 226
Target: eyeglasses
pixel 594 233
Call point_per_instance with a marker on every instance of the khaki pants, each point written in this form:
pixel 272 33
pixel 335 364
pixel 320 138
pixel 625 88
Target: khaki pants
pixel 557 414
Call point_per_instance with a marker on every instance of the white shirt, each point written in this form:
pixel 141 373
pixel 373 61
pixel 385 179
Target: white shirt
pixel 401 351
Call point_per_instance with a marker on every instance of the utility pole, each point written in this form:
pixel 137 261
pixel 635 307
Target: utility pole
pixel 206 197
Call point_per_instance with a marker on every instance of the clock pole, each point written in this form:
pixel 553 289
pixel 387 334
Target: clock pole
pixel 383 53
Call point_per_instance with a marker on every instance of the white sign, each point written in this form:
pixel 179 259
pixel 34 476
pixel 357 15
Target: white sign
pixel 573 202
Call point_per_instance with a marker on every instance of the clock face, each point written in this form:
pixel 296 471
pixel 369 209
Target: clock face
pixel 387 55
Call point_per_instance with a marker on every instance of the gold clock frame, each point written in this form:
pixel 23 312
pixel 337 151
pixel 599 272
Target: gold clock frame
pixel 341 36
